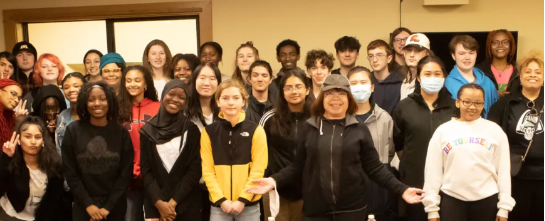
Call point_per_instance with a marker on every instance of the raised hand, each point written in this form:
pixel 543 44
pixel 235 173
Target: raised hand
pixel 21 111
pixel 9 146
pixel 264 185
pixel 411 195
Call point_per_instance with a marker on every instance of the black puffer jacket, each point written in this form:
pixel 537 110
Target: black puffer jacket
pixel 414 125
pixel 332 160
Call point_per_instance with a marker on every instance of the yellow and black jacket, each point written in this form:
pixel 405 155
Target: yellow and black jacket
pixel 232 157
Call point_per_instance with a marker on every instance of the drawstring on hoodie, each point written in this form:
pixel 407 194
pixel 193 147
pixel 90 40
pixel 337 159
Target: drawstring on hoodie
pixel 321 124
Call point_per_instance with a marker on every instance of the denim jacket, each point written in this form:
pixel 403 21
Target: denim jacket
pixel 62 122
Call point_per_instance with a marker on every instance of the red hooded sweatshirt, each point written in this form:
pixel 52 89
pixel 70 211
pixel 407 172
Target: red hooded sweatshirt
pixel 141 114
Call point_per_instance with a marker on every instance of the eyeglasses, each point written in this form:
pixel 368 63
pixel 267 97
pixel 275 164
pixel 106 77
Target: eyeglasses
pixel 297 88
pixel 503 43
pixel 399 40
pixel 13 94
pixel 111 71
pixel 477 104
pixel 335 92
pixel 378 56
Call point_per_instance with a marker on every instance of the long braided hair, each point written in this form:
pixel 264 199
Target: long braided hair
pixel 7 117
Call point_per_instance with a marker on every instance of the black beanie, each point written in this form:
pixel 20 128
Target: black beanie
pixel 23 45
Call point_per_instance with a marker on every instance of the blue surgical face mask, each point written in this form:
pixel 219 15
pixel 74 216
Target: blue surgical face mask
pixel 432 85
pixel 361 92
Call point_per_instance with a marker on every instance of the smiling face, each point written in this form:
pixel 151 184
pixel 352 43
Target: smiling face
pixel 157 57
pixel 25 60
pixel 49 71
pixel 288 57
pixel 471 104
pixel 111 74
pixel 260 78
pixel 295 90
pixel 209 54
pixel 335 103
pixel 231 101
pixel 348 57
pixel 6 68
pixel 465 58
pixel 31 139
pixel 71 88
pixel 92 64
pixel 135 83
pixel 500 45
pixel 245 58
pixel 10 96
pixel 175 100
pixel 531 76
pixel 183 72
pixel 318 72
pixel 97 104
pixel 206 82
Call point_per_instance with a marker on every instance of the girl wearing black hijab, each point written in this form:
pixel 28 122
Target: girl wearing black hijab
pixel 170 160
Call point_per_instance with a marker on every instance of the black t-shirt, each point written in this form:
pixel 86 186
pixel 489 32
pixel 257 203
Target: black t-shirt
pixel 363 117
pixel 521 130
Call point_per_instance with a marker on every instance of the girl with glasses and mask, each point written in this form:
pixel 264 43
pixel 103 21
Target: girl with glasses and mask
pixel 467 173
pixel 415 120
pixel 520 115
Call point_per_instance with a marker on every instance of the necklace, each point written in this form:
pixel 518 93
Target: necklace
pixel 502 70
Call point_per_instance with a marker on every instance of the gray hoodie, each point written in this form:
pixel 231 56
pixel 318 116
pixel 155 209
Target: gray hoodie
pixel 381 126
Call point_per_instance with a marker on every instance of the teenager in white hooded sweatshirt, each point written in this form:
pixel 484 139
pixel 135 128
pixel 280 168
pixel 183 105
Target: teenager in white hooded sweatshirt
pixel 467 175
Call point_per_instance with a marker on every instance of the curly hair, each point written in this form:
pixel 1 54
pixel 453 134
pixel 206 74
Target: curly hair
pixel 125 99
pixel 113 105
pixel 324 57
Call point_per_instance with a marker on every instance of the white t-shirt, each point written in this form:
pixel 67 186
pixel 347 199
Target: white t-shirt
pixel 37 184
pixel 407 88
pixel 170 151
pixel 468 161
pixel 159 86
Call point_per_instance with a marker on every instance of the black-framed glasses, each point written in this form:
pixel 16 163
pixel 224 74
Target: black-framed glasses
pixel 477 104
pixel 399 40
pixel 13 94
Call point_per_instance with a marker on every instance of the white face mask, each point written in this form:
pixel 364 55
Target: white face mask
pixel 361 92
pixel 432 85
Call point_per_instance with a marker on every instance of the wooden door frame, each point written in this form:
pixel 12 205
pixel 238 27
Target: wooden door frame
pixel 15 17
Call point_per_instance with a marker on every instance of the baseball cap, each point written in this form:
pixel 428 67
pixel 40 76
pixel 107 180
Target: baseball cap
pixel 336 81
pixel 24 46
pixel 418 39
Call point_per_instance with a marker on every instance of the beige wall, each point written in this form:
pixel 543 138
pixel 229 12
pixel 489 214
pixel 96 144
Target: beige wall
pixel 318 23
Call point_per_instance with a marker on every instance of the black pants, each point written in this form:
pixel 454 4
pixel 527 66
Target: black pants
pixel 529 197
pixel 453 209
pixel 415 212
pixel 352 216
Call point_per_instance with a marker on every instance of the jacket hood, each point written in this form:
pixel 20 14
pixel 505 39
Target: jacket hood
pixel 393 78
pixel 444 99
pixel 376 113
pixel 45 92
pixel 456 75
pixel 143 103
pixel 317 121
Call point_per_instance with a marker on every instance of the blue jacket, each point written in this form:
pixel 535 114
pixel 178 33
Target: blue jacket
pixel 455 81
pixel 62 122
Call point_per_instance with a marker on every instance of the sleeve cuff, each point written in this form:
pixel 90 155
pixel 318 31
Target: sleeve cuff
pixel 109 206
pixel 88 202
pixel 433 215
pixel 243 200
pixel 219 202
pixel 503 213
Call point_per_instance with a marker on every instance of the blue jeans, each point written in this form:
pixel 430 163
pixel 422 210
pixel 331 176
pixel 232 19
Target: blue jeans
pixel 249 213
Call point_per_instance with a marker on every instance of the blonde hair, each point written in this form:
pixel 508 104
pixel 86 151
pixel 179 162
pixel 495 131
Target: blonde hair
pixel 232 83
pixel 532 56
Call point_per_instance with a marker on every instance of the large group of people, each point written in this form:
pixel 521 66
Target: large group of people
pixel 175 139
